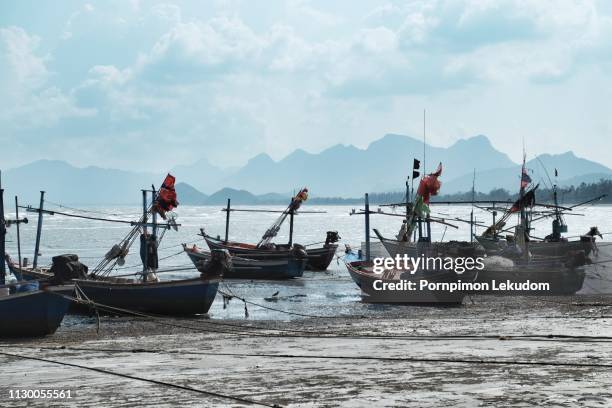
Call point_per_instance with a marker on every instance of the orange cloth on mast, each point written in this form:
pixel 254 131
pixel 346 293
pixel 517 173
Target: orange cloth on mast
pixel 430 185
pixel 166 198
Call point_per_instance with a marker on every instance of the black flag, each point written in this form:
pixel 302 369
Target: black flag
pixel 416 164
pixel 556 173
pixel 415 174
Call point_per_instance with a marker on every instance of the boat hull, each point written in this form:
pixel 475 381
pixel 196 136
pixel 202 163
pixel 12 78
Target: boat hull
pixel 33 314
pixel 366 282
pixel 177 297
pixel 562 281
pixel 318 258
pixel 243 268
pixel 541 248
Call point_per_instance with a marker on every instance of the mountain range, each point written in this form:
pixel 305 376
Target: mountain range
pixel 339 171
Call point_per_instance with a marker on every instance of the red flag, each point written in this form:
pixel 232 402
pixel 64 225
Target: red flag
pixel 528 200
pixel 430 185
pixel 525 179
pixel 166 198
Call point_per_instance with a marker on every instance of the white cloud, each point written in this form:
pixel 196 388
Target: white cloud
pixel 236 78
pixel 28 100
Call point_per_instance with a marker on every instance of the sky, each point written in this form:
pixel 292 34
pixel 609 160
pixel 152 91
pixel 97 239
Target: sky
pixel 144 85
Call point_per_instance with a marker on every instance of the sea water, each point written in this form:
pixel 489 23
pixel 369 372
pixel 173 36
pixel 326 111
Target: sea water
pixel 330 293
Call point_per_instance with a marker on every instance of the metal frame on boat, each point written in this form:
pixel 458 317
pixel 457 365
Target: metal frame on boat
pixel 245 268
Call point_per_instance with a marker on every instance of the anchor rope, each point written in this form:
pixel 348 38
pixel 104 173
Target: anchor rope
pixel 149 380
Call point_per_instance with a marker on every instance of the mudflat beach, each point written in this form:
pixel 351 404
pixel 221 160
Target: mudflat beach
pixel 501 351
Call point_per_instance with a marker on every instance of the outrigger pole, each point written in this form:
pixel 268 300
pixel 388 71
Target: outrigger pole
pixel 39 229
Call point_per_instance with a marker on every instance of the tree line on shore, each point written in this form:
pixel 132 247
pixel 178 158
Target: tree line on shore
pixel 569 194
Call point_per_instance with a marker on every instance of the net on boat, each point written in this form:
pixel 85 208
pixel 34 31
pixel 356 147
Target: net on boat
pixel 296 203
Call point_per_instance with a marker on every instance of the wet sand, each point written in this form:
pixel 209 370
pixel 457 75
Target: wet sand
pixel 350 361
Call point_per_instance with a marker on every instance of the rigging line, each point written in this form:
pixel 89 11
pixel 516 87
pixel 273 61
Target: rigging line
pixel 161 320
pixel 274 309
pixel 180 245
pixel 170 256
pixel 149 380
pixel 86 217
pixel 87 211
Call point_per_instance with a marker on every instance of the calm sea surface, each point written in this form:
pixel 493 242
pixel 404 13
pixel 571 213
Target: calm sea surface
pixel 321 293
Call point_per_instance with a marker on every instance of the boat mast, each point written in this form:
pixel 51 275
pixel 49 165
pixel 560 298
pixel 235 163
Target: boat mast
pixel 472 212
pixel 18 234
pixel 367 226
pixel 145 263
pixel 291 213
pixel 424 164
pixel 38 229
pixel 2 236
pixel 227 218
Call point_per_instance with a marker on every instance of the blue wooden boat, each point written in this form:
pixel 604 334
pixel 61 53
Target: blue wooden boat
pixel 36 313
pixel 244 268
pixel 174 297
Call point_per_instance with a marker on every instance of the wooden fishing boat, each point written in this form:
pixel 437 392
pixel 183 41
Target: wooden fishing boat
pixel 318 259
pixel 29 309
pixel 171 297
pixel 244 268
pixel 145 292
pixel 375 287
pixel 563 277
pixel 34 313
pixel 494 245
pixel 414 249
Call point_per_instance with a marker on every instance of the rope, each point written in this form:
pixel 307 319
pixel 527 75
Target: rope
pixel 317 357
pixel 149 380
pixel 231 295
pixel 323 334
pixel 87 211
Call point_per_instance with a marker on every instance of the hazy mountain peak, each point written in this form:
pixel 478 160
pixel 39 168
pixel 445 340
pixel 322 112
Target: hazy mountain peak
pixel 478 140
pixel 394 138
pixel 297 154
pixel 261 158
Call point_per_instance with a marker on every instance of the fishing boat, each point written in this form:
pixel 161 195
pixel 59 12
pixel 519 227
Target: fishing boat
pixel 395 247
pixel 244 268
pixel 28 309
pixel 395 285
pixel 318 258
pixel 391 286
pixel 561 275
pixel 33 313
pixel 143 291
pixel 171 297
pixel 554 244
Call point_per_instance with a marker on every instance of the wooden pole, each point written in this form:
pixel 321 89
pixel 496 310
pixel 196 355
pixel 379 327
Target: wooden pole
pixel 153 213
pixel 145 262
pixel 367 226
pixel 227 218
pixel 2 239
pixel 291 228
pixel 39 229
pixel 18 235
